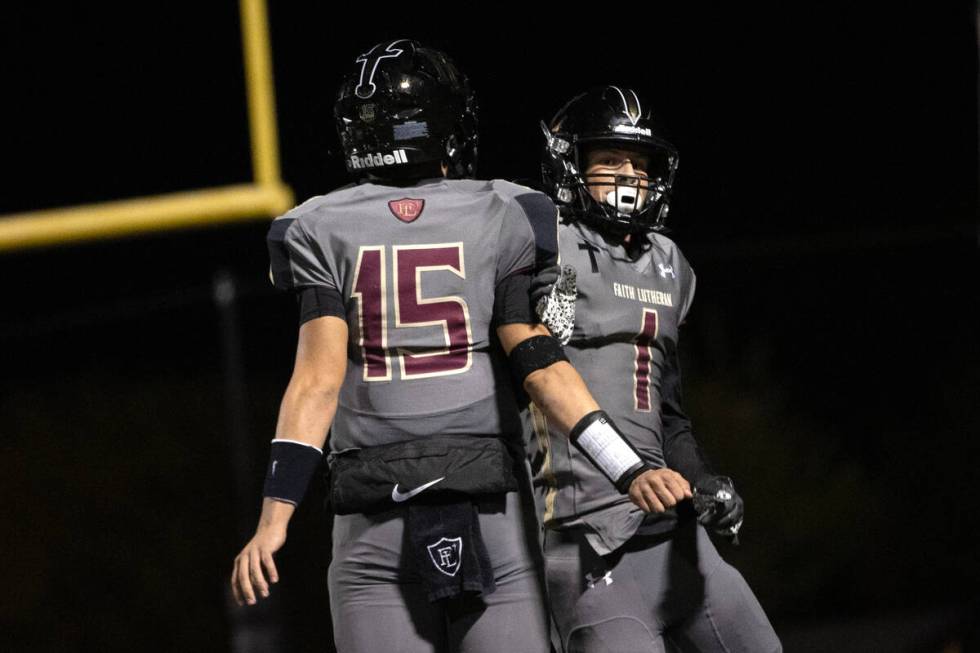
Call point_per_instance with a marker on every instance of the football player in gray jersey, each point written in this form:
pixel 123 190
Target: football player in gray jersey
pixel 414 309
pixel 630 576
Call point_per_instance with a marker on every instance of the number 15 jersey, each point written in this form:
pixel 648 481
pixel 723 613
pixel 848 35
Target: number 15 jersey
pixel 417 269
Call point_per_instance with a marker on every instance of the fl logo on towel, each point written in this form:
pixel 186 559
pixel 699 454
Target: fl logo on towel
pixel 446 554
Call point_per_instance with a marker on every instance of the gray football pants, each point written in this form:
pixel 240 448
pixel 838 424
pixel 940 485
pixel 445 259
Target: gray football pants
pixel 379 605
pixel 653 595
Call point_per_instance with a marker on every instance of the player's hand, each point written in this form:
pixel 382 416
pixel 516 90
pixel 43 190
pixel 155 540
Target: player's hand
pixel 254 563
pixel 657 490
pixel 543 282
pixel 719 505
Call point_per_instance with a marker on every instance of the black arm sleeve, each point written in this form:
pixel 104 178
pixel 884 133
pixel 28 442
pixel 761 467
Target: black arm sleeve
pixel 512 301
pixel 681 451
pixel 317 301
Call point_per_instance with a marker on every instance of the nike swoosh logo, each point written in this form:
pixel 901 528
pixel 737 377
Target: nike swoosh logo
pixel 398 497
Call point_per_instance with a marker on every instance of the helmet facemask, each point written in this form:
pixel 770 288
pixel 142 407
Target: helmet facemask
pixel 629 198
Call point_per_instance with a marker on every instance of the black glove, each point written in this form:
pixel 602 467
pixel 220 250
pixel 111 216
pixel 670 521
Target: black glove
pixel 543 282
pixel 719 506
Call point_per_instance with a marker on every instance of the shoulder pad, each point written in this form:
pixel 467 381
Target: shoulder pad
pixel 542 215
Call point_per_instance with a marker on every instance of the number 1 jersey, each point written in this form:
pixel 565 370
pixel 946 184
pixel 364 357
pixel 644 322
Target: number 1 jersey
pixel 417 269
pixel 627 315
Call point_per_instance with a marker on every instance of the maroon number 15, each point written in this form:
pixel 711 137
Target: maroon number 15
pixel 428 357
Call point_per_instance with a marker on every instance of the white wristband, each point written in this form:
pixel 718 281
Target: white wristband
pixel 607 449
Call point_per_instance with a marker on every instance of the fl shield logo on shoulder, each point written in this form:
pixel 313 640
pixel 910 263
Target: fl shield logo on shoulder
pixel 406 209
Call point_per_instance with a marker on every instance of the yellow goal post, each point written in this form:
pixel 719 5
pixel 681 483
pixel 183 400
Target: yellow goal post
pixel 266 196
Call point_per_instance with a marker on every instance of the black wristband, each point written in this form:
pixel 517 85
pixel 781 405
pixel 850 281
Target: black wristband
pixel 535 353
pixel 291 466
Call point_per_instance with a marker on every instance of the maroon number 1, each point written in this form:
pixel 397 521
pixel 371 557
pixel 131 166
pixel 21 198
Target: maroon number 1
pixel 372 296
pixel 644 358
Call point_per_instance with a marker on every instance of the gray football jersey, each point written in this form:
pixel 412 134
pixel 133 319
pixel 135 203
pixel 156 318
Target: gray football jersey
pixel 625 312
pixel 417 268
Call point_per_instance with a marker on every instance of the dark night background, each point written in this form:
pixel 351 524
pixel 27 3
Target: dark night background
pixel 827 197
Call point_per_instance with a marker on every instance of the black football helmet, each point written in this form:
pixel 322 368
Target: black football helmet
pixel 403 111
pixel 609 117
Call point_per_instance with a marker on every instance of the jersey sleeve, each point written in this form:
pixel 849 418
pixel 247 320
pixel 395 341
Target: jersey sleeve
pixel 319 301
pixel 296 258
pixel 528 235
pixel 688 284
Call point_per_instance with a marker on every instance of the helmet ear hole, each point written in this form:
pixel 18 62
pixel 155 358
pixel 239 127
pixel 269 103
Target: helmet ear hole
pixel 559 145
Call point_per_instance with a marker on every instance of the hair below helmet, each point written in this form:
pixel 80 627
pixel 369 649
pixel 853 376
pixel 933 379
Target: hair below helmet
pixel 404 111
pixel 609 117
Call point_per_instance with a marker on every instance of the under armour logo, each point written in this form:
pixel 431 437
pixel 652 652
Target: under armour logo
pixel 369 65
pixel 665 270
pixel 446 554
pixel 592 580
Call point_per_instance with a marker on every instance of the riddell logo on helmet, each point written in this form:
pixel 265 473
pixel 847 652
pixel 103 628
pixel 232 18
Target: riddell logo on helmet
pixel 377 160
pixel 629 129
